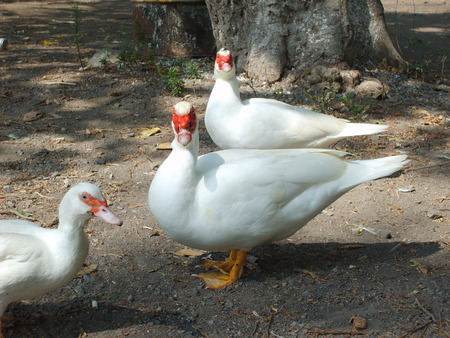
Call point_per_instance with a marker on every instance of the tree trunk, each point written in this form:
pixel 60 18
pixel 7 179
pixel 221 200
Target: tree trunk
pixel 173 28
pixel 272 38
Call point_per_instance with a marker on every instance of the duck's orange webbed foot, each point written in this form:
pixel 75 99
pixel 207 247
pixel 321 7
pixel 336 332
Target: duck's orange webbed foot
pixel 224 267
pixel 229 271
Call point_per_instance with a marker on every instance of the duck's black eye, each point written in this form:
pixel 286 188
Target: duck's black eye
pixel 84 197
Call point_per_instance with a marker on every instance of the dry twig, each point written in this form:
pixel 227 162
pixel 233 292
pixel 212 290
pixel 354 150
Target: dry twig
pixel 428 313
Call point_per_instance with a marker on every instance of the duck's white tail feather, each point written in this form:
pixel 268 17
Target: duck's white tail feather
pixel 354 129
pixel 378 168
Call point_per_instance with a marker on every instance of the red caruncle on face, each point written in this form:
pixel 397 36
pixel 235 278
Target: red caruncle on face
pixel 184 122
pixel 95 203
pixel 222 59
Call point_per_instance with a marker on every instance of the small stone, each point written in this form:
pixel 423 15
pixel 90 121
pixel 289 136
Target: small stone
pixel 331 74
pixel 54 175
pixel 67 182
pixel 434 214
pixel 350 78
pixel 101 161
pixel 371 88
pixel 11 204
pixel 8 188
pixel 3 44
pixel 359 323
pixel 79 289
pixel 87 278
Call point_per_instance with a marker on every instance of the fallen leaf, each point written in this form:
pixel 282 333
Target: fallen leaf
pixel 149 132
pixel 419 266
pixel 87 269
pixel 165 146
pixel 189 252
pixel 47 42
pixel 32 116
pixel 212 281
pixel 24 213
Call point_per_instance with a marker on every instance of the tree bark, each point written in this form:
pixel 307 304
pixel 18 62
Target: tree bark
pixel 271 38
pixel 173 28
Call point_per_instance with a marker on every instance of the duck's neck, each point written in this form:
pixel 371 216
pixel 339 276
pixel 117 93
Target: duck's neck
pixel 72 222
pixel 182 161
pixel 69 246
pixel 173 187
pixel 226 88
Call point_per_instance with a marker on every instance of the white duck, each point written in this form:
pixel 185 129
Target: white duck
pixel 260 123
pixel 237 199
pixel 36 260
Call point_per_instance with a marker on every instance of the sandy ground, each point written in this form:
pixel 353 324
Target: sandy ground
pixel 88 127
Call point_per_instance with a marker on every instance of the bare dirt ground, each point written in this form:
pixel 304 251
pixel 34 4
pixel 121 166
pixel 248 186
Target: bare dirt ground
pixel 60 125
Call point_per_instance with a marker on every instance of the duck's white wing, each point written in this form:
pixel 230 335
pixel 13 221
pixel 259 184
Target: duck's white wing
pixel 271 124
pixel 243 199
pixel 19 248
pixel 266 167
pixel 281 125
pixel 24 264
pixel 19 241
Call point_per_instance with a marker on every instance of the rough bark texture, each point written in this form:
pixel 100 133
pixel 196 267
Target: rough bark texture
pixel 174 29
pixel 272 38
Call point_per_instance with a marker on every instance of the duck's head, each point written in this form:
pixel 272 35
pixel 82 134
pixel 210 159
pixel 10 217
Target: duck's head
pixel 86 200
pixel 224 66
pixel 184 122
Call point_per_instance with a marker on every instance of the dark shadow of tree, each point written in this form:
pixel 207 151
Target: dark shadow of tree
pixel 422 38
